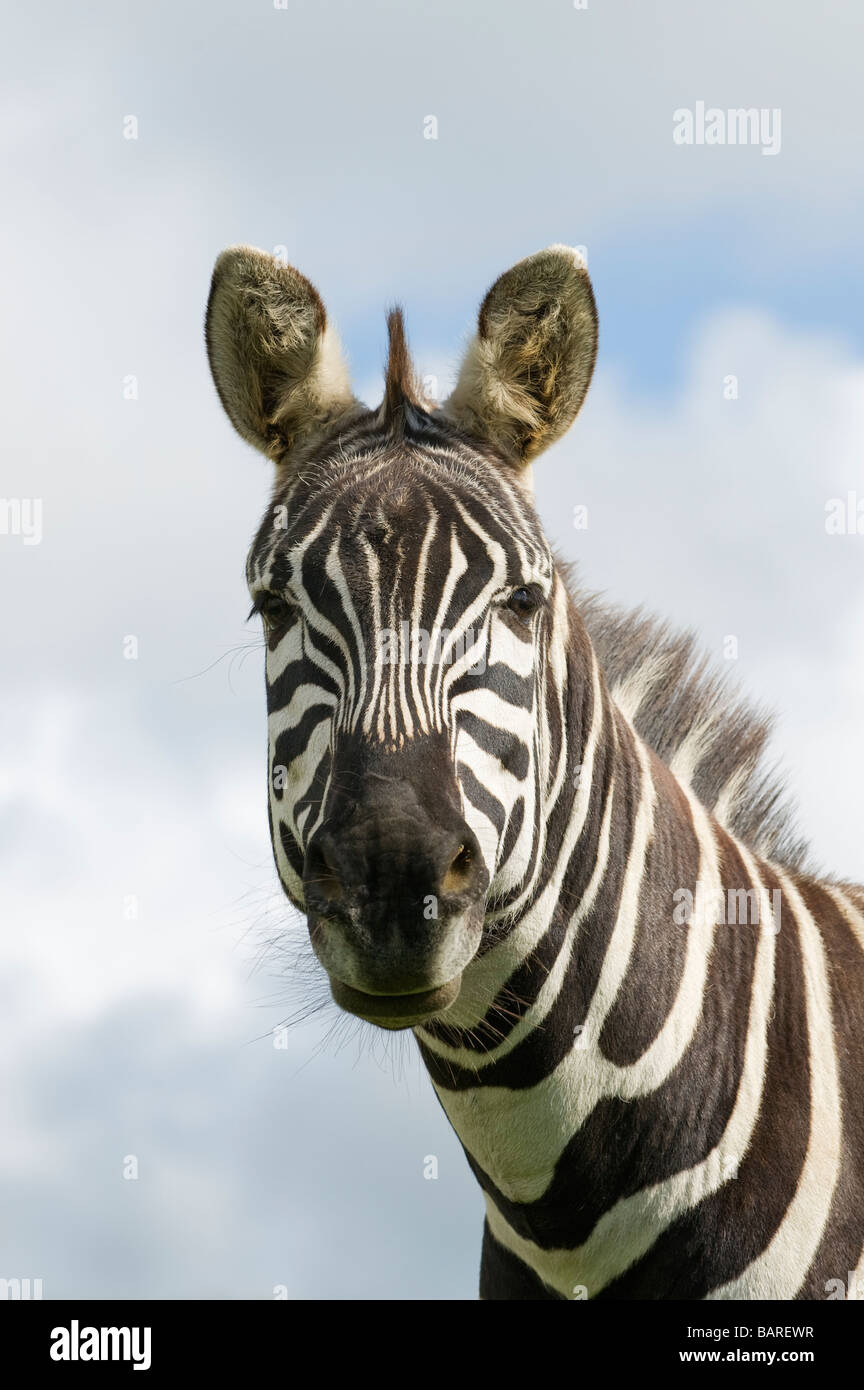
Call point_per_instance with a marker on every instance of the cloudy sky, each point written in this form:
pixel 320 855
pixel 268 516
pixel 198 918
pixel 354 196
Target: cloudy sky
pixel 145 955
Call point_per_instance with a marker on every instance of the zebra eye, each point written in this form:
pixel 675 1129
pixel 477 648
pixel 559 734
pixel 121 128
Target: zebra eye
pixel 274 609
pixel 524 603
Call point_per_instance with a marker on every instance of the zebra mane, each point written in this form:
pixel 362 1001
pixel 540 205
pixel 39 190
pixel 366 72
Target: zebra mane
pixel 697 721
pixel 401 388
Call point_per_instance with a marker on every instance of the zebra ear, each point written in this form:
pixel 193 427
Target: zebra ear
pixel 526 373
pixel 276 362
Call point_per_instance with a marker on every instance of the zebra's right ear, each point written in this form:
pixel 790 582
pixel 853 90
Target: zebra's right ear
pixel 526 373
pixel 276 362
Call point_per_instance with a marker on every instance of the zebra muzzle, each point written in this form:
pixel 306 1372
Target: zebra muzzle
pixel 394 887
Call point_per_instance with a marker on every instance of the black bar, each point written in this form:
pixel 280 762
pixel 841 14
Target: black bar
pixel 221 1338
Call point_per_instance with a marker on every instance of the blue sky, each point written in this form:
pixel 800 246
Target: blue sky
pixel 303 128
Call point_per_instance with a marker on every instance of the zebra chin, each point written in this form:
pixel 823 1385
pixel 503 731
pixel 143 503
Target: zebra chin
pixel 397 988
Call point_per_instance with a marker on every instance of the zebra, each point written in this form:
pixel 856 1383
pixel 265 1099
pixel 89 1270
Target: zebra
pixel 516 817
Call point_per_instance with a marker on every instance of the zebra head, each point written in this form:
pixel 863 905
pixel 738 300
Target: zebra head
pixel 408 597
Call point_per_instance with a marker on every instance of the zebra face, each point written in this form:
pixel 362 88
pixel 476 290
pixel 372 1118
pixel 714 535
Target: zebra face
pixel 405 588
pixel 404 605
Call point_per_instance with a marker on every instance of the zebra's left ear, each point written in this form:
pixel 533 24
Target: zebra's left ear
pixel 526 373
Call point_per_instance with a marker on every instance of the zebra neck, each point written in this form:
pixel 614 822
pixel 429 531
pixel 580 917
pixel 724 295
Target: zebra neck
pixel 597 970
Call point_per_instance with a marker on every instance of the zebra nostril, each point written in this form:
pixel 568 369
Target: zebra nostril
pixel 321 876
pixel 460 871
